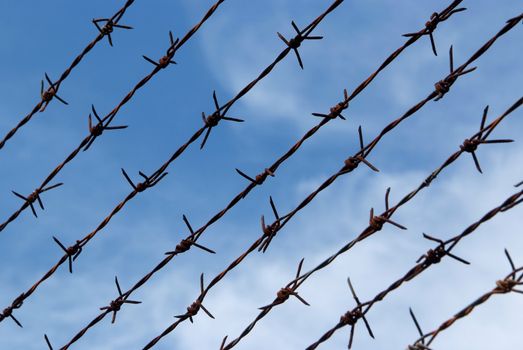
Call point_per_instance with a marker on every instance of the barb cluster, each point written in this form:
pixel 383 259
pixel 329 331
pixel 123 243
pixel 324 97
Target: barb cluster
pixel 432 23
pixel 35 197
pixel 295 42
pixel 116 304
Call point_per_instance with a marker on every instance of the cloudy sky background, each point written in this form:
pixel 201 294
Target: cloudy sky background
pixel 228 52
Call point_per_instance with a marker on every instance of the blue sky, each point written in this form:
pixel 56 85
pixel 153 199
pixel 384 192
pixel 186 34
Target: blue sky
pixel 229 51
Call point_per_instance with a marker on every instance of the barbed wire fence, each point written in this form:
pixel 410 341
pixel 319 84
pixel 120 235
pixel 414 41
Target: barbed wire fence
pixel 99 123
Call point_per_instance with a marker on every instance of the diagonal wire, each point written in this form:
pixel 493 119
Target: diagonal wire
pixel 261 242
pixel 87 141
pixel 116 17
pixel 268 171
pixel 149 182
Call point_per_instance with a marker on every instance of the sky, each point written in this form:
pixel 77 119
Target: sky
pixel 231 49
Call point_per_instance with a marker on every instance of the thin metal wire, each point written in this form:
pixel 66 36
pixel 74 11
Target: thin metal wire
pixel 51 92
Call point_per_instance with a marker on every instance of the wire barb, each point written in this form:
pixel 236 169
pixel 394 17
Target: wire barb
pixel 110 24
pixel 509 283
pixel 117 303
pixel 470 145
pixel 213 119
pixel 351 317
pixel 352 162
pixel 335 112
pixel 420 344
pixel 99 127
pixel 434 256
pixel 149 181
pixel 259 179
pixel 167 59
pixel 295 43
pixel 186 243
pixel 431 25
pixel 284 293
pixel 72 252
pixel 376 222
pixel 443 86
pixel 35 197
pixel 269 231
pixel 48 342
pixel 193 309
pixel 50 93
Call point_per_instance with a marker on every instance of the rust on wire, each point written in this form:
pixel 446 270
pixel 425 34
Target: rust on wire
pixel 471 145
pixel 374 74
pixel 35 197
pixel 167 59
pixel 98 128
pixel 51 92
pixel 287 291
pixel 209 122
pixel 295 42
pixel 432 23
pixel 192 310
pixel 117 303
pixel 213 119
pixel 108 27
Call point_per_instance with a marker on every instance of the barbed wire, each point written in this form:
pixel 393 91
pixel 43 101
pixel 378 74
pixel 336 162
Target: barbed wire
pixel 47 95
pixel 503 286
pixel 186 243
pixel 293 285
pixel 104 123
pixel 430 258
pixel 72 252
pixel 269 231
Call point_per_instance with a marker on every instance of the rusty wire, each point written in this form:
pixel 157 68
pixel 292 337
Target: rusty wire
pixel 372 228
pixel 352 162
pixel 72 252
pixel 210 121
pixel 335 112
pixel 46 95
pixel 190 241
pixel 103 124
pixel 503 286
pixel 431 257
pixel 269 231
